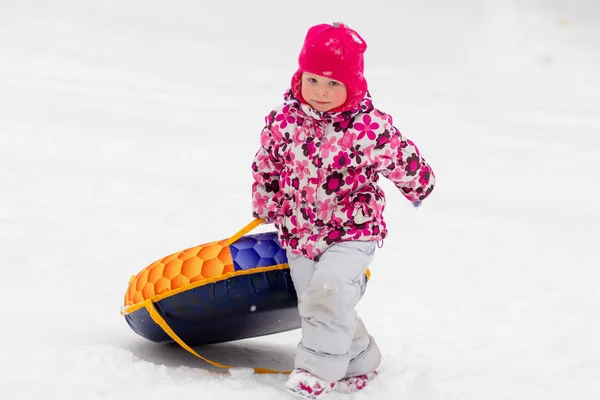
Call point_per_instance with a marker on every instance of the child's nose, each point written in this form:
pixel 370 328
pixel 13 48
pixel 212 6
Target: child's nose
pixel 321 92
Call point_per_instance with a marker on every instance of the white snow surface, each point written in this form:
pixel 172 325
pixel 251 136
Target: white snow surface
pixel 127 129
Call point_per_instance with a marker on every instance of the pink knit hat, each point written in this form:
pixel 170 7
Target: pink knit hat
pixel 334 51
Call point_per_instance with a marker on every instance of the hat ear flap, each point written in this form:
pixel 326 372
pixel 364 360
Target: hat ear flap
pixel 297 86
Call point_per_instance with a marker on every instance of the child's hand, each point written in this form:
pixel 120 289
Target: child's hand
pixel 416 203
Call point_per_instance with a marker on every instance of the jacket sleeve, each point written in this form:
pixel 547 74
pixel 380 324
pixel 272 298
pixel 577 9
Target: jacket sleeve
pixel 405 167
pixel 266 173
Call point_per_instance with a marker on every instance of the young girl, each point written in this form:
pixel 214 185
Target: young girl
pixel 315 176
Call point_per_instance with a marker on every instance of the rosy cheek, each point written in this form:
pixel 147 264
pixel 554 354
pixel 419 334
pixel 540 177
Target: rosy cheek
pixel 305 92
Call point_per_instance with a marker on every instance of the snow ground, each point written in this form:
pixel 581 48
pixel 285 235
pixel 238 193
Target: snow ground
pixel 126 134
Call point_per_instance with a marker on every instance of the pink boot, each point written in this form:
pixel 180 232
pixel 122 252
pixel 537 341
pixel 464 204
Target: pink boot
pixel 354 384
pixel 304 384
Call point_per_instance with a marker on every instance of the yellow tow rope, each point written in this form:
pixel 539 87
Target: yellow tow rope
pixel 156 317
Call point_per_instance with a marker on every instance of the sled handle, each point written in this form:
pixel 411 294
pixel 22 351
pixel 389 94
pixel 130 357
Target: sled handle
pixel 245 230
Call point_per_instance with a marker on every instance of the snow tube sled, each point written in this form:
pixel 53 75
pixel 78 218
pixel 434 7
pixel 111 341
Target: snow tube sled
pixel 226 290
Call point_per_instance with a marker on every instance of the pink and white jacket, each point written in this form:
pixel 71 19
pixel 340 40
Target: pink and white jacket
pixel 315 174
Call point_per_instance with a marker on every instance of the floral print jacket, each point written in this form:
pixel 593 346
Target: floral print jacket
pixel 315 174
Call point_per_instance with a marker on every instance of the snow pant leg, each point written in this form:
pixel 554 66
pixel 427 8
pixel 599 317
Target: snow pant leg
pixel 301 270
pixel 327 309
pixel 364 354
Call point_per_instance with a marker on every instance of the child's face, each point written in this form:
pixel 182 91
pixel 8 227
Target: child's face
pixel 322 93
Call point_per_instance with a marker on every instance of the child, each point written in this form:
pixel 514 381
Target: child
pixel 315 176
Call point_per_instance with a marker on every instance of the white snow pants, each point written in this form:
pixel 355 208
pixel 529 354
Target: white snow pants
pixel 335 342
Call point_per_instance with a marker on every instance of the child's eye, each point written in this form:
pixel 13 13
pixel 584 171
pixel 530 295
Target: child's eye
pixel 312 80
pixel 334 83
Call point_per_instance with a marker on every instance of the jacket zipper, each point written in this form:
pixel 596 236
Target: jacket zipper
pixel 319 170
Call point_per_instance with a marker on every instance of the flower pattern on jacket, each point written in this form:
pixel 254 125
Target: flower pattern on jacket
pixel 315 174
